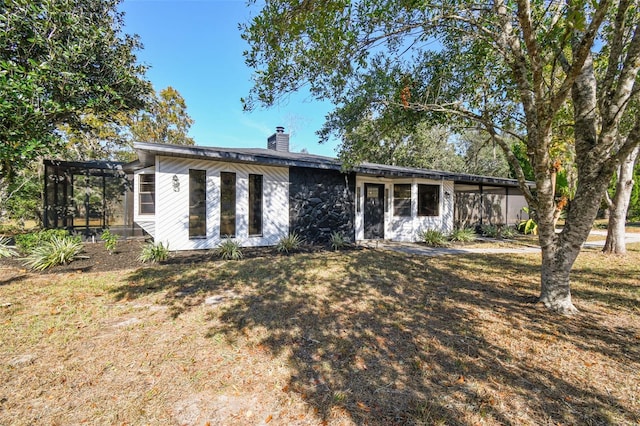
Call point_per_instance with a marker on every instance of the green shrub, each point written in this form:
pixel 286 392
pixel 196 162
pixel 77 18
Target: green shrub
pixel 154 253
pixel 289 243
pixel 433 238
pixel 27 242
pixel 110 240
pixel 491 231
pixel 229 250
pixel 528 226
pixel 9 228
pixel 338 240
pixel 5 250
pixel 463 235
pixel 508 232
pixel 57 251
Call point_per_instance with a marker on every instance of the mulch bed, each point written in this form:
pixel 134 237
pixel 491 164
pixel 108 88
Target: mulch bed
pixel 94 257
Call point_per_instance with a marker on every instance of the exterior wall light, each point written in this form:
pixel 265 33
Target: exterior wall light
pixel 176 183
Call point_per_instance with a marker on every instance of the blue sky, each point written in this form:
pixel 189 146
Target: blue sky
pixel 195 46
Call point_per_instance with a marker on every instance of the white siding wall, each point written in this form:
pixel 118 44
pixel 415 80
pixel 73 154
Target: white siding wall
pixel 172 207
pixel 407 228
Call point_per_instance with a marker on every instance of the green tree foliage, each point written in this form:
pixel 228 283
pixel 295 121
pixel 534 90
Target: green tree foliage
pixel 22 195
pixel 482 156
pixel 99 138
pixel 634 203
pixel 410 146
pixel 517 70
pixel 519 149
pixel 62 64
pixel 58 62
pixel 423 145
pixel 165 120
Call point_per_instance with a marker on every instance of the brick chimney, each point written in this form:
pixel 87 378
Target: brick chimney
pixel 279 141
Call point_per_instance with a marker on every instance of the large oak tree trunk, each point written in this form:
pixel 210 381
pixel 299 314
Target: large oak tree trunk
pixel 560 250
pixel 615 242
pixel 555 290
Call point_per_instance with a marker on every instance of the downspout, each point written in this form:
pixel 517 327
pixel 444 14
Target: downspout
pixel 506 215
pixel 481 204
pixel 68 198
pixel 86 202
pixel 104 201
pixel 45 207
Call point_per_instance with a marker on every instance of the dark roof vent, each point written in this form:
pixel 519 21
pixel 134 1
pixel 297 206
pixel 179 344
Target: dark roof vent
pixel 279 141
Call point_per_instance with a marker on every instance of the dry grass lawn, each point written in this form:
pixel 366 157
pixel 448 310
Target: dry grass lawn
pixel 360 337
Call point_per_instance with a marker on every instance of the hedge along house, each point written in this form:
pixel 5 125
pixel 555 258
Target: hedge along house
pixel 194 197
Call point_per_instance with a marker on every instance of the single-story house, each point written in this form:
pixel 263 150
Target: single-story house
pixel 193 197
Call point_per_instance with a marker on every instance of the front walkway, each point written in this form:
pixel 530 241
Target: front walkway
pixel 630 237
pixel 421 249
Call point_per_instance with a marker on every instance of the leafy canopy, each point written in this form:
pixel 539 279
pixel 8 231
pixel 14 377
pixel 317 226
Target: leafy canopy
pixel 58 62
pixel 165 119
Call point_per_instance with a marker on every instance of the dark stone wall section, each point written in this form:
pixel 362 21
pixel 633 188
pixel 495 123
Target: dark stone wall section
pixel 321 202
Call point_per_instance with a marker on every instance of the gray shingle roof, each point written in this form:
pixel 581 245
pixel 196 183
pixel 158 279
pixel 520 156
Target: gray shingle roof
pixel 148 151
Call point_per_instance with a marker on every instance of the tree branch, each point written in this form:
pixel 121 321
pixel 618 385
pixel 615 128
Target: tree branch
pixel 580 54
pixel 615 54
pixel 528 33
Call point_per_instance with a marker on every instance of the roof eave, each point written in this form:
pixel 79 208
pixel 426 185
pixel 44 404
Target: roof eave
pixel 147 153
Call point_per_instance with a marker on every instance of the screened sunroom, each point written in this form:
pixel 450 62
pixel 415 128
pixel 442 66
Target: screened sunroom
pixel 88 197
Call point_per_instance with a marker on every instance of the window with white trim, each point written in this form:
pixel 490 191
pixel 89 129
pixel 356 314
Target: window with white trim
pixel 147 193
pixel 402 199
pixel 428 200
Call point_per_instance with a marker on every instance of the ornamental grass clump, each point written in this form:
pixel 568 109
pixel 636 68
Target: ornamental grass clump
pixel 509 232
pixel 338 240
pixel 5 250
pixel 434 238
pixel 463 235
pixel 229 250
pixel 290 243
pixel 154 253
pixel 57 251
pixel 491 231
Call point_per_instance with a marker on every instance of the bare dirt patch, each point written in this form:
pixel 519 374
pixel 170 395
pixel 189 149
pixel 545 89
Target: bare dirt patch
pixel 358 337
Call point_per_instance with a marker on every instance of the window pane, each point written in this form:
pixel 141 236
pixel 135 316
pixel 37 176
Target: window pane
pixel 373 191
pixel 146 198
pixel 428 200
pixel 227 204
pixel 402 199
pixel 197 203
pixel 255 204
pixel 147 193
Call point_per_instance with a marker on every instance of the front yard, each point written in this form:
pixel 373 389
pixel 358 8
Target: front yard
pixel 358 337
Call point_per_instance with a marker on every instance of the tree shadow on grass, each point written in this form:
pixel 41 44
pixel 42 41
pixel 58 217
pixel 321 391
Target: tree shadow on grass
pixel 186 284
pixel 589 330
pixel 394 344
pixel 386 338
